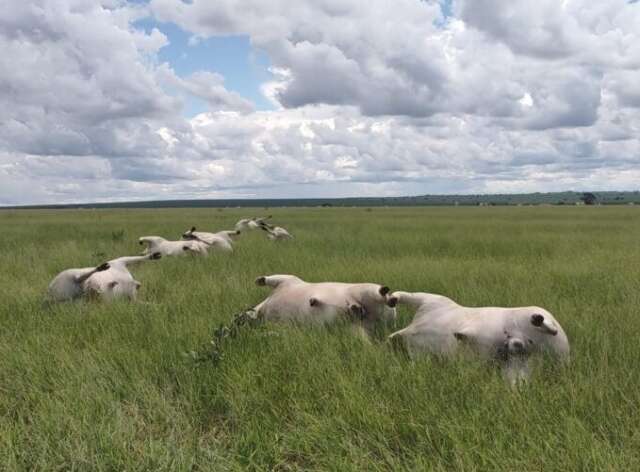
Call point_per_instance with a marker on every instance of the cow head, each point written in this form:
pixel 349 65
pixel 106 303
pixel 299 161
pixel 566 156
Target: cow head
pixel 372 302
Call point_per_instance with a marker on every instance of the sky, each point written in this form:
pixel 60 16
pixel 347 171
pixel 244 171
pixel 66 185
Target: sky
pixel 108 100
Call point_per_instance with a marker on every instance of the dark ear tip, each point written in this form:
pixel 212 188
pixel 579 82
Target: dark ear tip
pixel 459 336
pixel 384 290
pixel 261 281
pixel 537 319
pixel 140 243
pixel 103 267
pixel 313 301
pixel 193 228
pixel 392 302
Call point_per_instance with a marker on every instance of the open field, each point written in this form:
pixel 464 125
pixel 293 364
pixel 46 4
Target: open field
pixel 87 386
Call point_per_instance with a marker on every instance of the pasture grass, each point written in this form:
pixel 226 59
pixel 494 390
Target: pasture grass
pixel 90 386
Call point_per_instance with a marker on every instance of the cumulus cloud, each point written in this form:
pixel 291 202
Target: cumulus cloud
pixel 208 86
pixel 73 74
pixel 384 98
pixel 404 58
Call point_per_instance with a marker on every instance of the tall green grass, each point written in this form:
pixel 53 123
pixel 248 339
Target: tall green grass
pixel 88 386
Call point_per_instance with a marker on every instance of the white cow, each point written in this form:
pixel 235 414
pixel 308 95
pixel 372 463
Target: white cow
pixel 509 335
pixel 172 248
pixel 276 233
pixel 295 300
pixel 117 281
pixel 251 223
pixel 221 241
pixel 229 236
pixel 67 285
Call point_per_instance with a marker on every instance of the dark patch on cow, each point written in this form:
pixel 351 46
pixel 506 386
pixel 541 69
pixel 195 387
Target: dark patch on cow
pixel 357 311
pixel 460 336
pixel 537 320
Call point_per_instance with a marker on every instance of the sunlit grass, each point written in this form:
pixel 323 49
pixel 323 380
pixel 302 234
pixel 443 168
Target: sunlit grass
pixel 87 386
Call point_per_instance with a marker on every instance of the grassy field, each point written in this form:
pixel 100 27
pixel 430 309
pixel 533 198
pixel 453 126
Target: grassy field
pixel 87 386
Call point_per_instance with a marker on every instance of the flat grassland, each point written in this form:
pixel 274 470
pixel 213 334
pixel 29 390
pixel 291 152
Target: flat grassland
pixel 89 386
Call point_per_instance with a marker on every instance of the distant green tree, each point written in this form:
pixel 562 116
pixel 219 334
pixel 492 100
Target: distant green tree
pixel 588 198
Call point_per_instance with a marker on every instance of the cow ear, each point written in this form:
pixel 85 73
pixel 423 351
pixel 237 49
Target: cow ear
pixel 193 228
pixel 392 302
pixel 103 267
pixel 261 281
pixel 461 337
pixel 537 320
pixel 384 290
pixel 546 326
pixel 313 301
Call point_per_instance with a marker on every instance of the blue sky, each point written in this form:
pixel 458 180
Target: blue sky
pixel 243 67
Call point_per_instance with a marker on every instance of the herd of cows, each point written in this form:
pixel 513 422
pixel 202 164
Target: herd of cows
pixel 440 326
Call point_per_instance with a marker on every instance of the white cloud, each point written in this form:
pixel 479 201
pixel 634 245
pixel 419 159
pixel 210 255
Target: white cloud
pixel 208 86
pixel 384 98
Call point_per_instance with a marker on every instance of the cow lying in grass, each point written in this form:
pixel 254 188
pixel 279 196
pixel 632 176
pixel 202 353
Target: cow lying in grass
pixel 295 300
pixel 229 236
pixel 116 282
pixel 251 223
pixel 67 285
pixel 172 248
pixel 221 241
pixel 508 335
pixel 276 233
